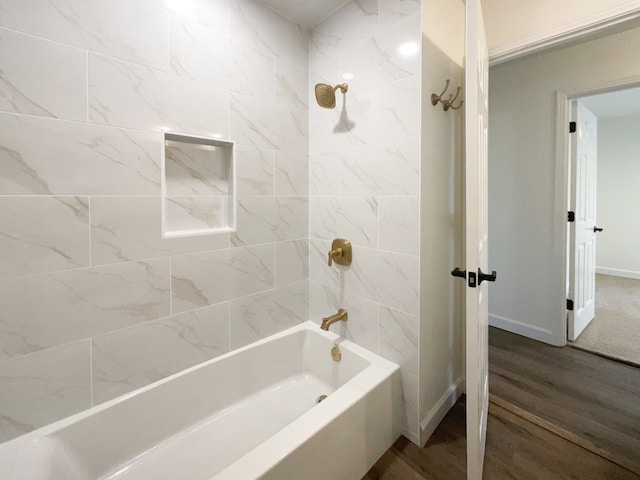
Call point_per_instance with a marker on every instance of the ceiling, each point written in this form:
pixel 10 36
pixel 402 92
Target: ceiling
pixel 305 13
pixel 614 104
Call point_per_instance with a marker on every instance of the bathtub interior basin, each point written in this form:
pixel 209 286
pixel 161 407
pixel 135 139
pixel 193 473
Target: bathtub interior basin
pixel 253 413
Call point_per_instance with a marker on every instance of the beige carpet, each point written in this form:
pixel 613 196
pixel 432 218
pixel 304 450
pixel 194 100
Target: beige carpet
pixel 615 330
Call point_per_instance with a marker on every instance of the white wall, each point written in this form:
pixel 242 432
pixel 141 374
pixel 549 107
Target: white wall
pixel 618 200
pixel 523 248
pixel 513 25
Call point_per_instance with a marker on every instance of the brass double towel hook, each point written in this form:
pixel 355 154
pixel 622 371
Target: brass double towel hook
pixel 447 103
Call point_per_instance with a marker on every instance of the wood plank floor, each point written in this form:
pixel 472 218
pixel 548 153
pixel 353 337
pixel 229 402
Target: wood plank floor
pixel 593 397
pixel 563 390
pixel 516 449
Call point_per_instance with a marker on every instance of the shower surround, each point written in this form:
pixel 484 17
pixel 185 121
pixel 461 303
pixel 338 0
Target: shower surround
pixel 94 303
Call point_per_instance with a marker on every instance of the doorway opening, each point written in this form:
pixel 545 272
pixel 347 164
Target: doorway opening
pixel 603 261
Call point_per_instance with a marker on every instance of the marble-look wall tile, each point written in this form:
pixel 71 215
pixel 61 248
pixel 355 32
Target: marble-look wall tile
pixel 195 213
pixel 394 11
pixel 43 234
pixel 71 158
pixel 353 23
pixel 43 387
pixel 292 262
pixel 398 334
pixel 200 53
pixel 254 171
pixel 130 29
pixel 259 316
pixel 362 325
pixel 319 270
pixel 324 173
pixel 354 121
pixel 386 168
pixel 291 173
pixel 134 357
pixel 129 228
pixel 291 84
pixel 391 55
pixel 271 219
pixel 124 94
pixel 353 218
pixel 42 78
pixel 79 303
pixel 264 124
pixel 410 401
pixel 195 169
pixel 210 13
pixel 387 278
pixel 261 28
pixel 400 224
pixel 205 279
pixel 399 111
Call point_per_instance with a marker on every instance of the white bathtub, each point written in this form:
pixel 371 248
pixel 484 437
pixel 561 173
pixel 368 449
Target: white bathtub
pixel 249 414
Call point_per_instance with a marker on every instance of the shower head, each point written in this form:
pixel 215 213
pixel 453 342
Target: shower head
pixel 326 94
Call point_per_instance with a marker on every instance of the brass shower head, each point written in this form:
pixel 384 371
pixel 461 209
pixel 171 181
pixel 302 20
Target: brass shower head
pixel 326 94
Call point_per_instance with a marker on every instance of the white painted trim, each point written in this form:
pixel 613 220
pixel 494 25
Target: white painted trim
pixel 510 325
pixel 561 196
pixel 561 207
pixel 431 421
pixel 564 33
pixel 617 272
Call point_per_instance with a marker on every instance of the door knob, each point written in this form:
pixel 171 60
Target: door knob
pixel 596 229
pixel 489 277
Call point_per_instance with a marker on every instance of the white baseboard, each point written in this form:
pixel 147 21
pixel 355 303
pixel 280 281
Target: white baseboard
pixel 530 331
pixel 616 272
pixel 440 409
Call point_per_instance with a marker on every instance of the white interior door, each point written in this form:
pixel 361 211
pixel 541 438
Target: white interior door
pixel 476 132
pixel 582 258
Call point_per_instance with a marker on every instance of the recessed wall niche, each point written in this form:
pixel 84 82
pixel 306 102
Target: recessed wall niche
pixel 198 186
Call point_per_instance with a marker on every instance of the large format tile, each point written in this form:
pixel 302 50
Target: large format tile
pixel 386 168
pixel 353 218
pixel 129 228
pixel 71 158
pixel 208 278
pixel 259 316
pixel 43 234
pixel 124 94
pixel 134 357
pixel 352 24
pixel 292 262
pixel 399 111
pixel 202 54
pixel 264 124
pixel 254 171
pixel 195 213
pixel 129 29
pixel 193 169
pixel 400 224
pixel 42 78
pixel 210 13
pixel 43 387
pixel 384 277
pixel 319 270
pixel 398 338
pixel 394 11
pixel 291 84
pixel 271 219
pixel 291 173
pixel 324 173
pixel 262 28
pixel 79 303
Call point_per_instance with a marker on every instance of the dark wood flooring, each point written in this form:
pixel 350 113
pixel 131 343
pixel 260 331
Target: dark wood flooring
pixel 548 405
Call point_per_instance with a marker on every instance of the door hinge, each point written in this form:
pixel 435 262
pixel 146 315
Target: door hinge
pixel 571 217
pixel 573 127
pixel 570 305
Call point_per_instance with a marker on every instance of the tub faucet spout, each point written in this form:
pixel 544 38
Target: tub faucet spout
pixel 328 321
